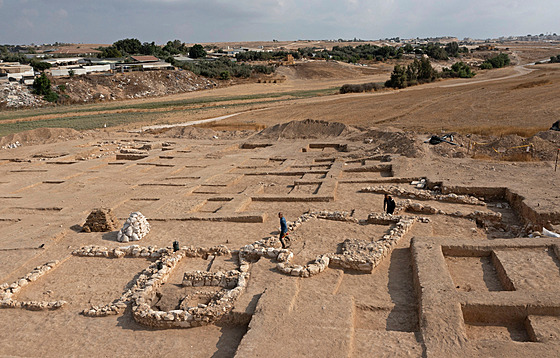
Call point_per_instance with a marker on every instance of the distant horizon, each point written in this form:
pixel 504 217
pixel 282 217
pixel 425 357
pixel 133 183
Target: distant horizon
pixel 284 40
pixel 103 21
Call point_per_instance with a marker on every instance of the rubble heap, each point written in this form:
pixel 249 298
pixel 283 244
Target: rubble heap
pixel 16 95
pixel 100 220
pixel 134 229
pixel 8 292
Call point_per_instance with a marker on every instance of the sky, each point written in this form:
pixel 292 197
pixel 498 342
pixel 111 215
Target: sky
pixel 198 21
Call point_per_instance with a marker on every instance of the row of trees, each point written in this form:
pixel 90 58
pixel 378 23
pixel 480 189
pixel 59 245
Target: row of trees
pixel 225 69
pixel 555 59
pixel 421 71
pixel 365 52
pixel 436 50
pixel 127 47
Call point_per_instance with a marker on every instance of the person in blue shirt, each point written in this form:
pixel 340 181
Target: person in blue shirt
pixel 284 239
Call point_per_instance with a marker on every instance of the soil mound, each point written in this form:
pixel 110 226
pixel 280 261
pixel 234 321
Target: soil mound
pixel 542 146
pixel 191 132
pixel 319 70
pixel 393 141
pixel 101 220
pixel 41 136
pixel 104 87
pixel 551 136
pixel 306 129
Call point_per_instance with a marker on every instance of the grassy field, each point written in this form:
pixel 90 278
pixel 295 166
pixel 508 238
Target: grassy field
pixel 93 116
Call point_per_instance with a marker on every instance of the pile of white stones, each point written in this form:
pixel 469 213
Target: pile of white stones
pixel 423 194
pixel 8 291
pixel 12 145
pixel 134 229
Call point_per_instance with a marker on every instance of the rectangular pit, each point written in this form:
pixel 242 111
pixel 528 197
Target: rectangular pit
pixel 473 273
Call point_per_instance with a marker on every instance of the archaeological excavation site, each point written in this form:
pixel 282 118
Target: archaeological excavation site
pixel 166 244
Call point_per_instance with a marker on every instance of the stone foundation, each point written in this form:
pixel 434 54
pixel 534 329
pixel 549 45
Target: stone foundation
pixel 8 292
pixel 423 195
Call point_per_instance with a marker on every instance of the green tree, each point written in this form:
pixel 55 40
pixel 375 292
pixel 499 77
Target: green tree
pixel 174 47
pixel 128 46
pixel 435 51
pixel 40 66
pixel 498 61
pixel 452 49
pixel 408 48
pixel 398 78
pixel 197 51
pixel 109 52
pixel 42 85
pixel 458 69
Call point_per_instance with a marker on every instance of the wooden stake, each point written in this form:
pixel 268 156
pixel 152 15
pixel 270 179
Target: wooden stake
pixel 556 163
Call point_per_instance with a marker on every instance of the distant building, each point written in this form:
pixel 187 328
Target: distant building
pixel 14 71
pixel 74 51
pixel 144 59
pixel 144 63
pixel 79 70
pixel 63 61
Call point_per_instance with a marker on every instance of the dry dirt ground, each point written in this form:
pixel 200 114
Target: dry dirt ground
pixel 454 284
pixel 447 288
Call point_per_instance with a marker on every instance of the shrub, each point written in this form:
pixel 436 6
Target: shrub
pixel 51 96
pixel 458 69
pixel 358 88
pixel 215 69
pixel 42 85
pixel 499 61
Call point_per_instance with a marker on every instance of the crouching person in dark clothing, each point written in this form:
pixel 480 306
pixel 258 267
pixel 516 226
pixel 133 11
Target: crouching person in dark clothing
pixel 284 238
pixel 390 205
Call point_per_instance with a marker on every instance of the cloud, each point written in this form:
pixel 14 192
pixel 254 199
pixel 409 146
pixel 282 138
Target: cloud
pixel 61 13
pixel 105 21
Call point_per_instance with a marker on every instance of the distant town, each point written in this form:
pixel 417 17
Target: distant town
pixel 78 59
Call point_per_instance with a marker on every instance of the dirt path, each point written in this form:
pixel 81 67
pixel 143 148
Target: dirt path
pixel 192 123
